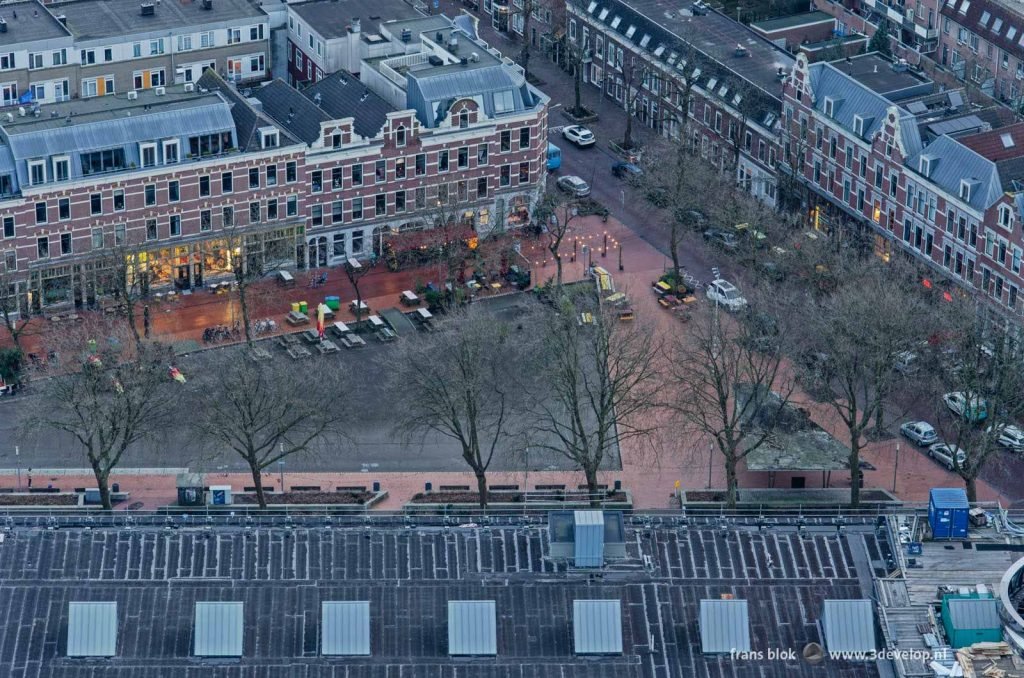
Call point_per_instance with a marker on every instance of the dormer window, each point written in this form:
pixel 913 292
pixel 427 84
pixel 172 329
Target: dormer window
pixel 270 137
pixel 858 125
pixel 925 166
pixel 463 119
pixel 831 106
pixel 36 172
pixel 591 7
pixel 147 153
pixel 400 137
pixel 645 40
pixel 615 22
pixel 965 190
pixel 630 31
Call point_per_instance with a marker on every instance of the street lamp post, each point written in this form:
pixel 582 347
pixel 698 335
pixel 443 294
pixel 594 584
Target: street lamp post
pixel 280 466
pixel 604 250
pixel 17 464
pixel 711 460
pixel 620 256
pixel 895 466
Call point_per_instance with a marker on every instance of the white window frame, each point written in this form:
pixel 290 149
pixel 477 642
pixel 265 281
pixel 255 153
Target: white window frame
pixel 176 145
pixel 148 146
pixel 66 159
pixel 33 164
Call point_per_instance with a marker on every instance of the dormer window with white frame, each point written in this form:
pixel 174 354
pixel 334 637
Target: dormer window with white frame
pixel 630 31
pixel 269 137
pixel 172 151
pixel 61 167
pixel 965 190
pixel 925 166
pixel 36 172
pixel 591 7
pixel 615 22
pixel 1005 217
pixel 831 105
pixel 859 125
pixel 147 154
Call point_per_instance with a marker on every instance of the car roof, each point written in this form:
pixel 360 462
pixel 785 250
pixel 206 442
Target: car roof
pixel 724 284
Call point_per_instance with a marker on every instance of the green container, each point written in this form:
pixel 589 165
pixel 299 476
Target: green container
pixel 333 303
pixel 303 307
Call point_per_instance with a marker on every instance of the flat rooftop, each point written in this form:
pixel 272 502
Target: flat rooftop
pixel 714 34
pixel 332 19
pixel 877 74
pixel 408 573
pixel 27 22
pixel 793 21
pixel 88 19
pixel 94 109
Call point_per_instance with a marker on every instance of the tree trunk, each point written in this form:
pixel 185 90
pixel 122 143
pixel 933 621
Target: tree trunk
pixel 674 247
pixel 879 419
pixel 576 79
pixel 627 138
pixel 257 481
pixel 558 271
pixel 592 489
pixel 971 486
pixel 731 480
pixel 359 302
pixel 854 462
pixel 103 483
pixel 243 301
pixel 129 310
pixel 481 487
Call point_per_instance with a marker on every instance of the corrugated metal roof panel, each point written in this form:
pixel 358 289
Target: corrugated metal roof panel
pixel 218 629
pixel 588 544
pixel 949 497
pixel 974 613
pixel 597 626
pixel 472 628
pixel 345 628
pixel 724 626
pixel 956 162
pixel 848 625
pixel 92 629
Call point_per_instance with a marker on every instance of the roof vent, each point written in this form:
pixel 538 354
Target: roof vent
pixel 147 9
pixel 463 61
pixel 474 57
pixel 435 60
pixel 133 95
pixel 901 66
pixel 439 36
pixel 741 51
pixel 207 4
pixel 21 111
pixel 453 43
pixel 317 98
pixel 356 26
pixel 406 35
pixel 10 117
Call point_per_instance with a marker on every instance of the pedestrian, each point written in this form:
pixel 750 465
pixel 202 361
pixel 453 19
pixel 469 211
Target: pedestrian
pixel 145 319
pixel 30 478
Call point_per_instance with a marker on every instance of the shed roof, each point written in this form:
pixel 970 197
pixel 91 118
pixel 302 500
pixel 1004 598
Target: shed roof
pixel 588 546
pixel 218 629
pixel 597 626
pixel 974 613
pixel 848 625
pixel 724 626
pixel 472 628
pixel 949 497
pixel 345 627
pixel 92 629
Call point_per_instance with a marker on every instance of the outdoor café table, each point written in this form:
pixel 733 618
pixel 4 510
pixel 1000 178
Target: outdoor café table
pixel 424 314
pixel 341 329
pixel 375 322
pixel 409 298
pixel 327 346
pixel 361 305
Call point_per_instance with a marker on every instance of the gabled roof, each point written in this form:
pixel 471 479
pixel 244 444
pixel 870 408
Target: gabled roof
pixel 996 145
pixel 991 21
pixel 342 95
pixel 952 162
pixel 291 110
pixel 247 119
pixel 852 98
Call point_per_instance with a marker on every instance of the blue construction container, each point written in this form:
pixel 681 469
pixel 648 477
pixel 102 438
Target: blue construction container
pixel 948 513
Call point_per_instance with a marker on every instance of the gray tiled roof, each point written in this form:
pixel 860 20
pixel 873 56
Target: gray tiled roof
pixel 300 116
pixel 343 96
pixel 89 19
pixel 247 119
pixel 952 162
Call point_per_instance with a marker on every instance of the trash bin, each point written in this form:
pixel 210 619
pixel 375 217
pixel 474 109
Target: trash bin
pixel 303 307
pixel 333 303
pixel 116 487
pixel 295 307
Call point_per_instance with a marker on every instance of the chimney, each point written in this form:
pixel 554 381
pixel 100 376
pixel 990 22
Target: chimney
pixel 356 25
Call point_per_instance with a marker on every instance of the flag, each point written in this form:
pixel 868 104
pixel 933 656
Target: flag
pixel 176 375
pixel 26 98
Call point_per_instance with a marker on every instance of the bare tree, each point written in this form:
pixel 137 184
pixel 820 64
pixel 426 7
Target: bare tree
pixel 636 82
pixel 597 384
pixel 462 384
pixel 850 346
pixel 355 271
pixel 13 310
pixel 556 214
pixel 265 411
pixel 980 359
pixel 111 396
pixel 123 276
pixel 722 373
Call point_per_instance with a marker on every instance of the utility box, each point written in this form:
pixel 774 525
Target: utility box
pixel 220 495
pixel 970 619
pixel 948 513
pixel 191 489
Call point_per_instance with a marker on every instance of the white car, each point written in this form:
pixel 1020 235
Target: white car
pixel 966 405
pixel 906 363
pixel 573 185
pixel 579 135
pixel 1010 437
pixel 920 432
pixel 944 454
pixel 726 294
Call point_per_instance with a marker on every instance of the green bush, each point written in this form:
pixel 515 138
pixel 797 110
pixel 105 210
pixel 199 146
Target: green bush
pixel 10 364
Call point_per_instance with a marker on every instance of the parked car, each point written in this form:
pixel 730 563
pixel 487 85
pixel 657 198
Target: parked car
pixel 722 238
pixel 906 363
pixel 1010 437
pixel 626 170
pixel 574 185
pixel 970 407
pixel 726 294
pixel 944 453
pixel 920 433
pixel 579 135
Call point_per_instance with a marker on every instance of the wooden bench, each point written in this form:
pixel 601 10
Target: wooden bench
pixel 350 488
pixel 327 346
pixel 305 488
pixel 285 278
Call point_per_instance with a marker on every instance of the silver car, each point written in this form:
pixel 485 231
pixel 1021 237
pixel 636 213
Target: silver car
pixel 944 453
pixel 1010 437
pixel 920 433
pixel 573 185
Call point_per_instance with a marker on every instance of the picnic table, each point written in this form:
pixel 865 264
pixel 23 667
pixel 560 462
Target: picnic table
pixel 375 322
pixel 327 346
pixel 260 354
pixel 361 305
pixel 352 341
pixel 409 298
pixel 423 314
pixel 386 334
pixel 288 340
pixel 297 318
pixel 669 301
pixel 340 328
pixel 311 336
pixel 297 352
pixel 285 278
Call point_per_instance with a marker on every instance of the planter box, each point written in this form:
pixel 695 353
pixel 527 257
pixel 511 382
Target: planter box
pixel 13 501
pixel 789 498
pixel 315 502
pixel 466 502
pixel 593 117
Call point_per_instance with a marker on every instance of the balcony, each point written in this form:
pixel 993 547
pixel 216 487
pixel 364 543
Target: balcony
pixel 928 33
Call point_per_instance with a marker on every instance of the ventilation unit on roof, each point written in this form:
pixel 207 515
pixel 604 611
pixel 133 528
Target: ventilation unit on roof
pixel 434 60
pixel 474 57
pixel 740 51
pixel 133 95
pixel 406 35
pixel 147 9
pixel 453 43
pixel 207 4
pixel 3 25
